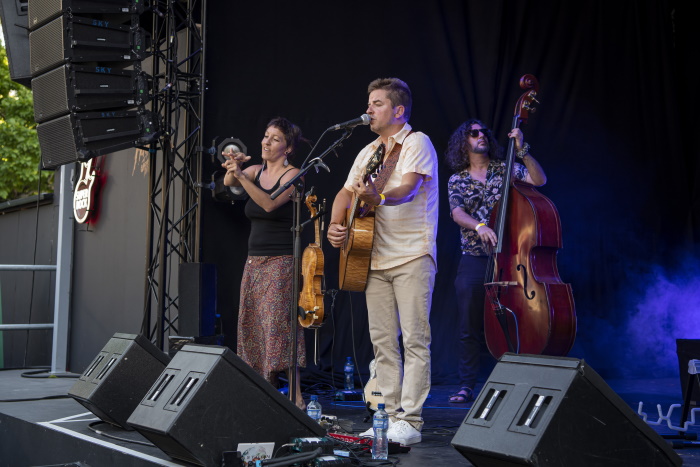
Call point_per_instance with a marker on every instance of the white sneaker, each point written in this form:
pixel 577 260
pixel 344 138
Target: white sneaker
pixel 370 433
pixel 403 432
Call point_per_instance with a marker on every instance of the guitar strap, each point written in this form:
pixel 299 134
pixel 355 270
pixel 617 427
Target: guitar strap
pixel 384 173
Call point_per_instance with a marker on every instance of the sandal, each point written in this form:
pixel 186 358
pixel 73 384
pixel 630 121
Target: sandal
pixel 464 394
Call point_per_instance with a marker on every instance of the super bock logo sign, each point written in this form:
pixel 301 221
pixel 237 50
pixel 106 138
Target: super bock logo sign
pixel 83 195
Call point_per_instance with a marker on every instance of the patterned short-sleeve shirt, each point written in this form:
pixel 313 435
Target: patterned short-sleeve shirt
pixel 478 199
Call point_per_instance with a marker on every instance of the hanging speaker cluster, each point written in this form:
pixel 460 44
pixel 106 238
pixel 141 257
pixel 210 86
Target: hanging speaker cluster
pixel 89 90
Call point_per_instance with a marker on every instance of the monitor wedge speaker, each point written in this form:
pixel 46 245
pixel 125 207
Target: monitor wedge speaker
pixel 117 379
pixel 208 400
pixel 553 411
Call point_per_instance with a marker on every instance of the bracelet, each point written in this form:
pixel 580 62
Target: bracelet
pixel 382 200
pixel 479 225
pixel 523 151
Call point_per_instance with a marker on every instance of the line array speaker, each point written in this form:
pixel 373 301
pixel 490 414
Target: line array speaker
pixel 208 400
pixel 79 88
pixel 13 16
pixel 78 39
pixel 82 136
pixel 43 11
pixel 553 411
pixel 118 378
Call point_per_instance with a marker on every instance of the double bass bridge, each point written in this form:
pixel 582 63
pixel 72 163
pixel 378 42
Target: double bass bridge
pixel 502 284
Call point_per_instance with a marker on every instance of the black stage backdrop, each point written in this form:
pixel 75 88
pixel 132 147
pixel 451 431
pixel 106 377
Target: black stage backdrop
pixel 616 102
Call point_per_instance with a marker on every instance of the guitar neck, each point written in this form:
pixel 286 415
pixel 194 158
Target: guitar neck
pixel 372 165
pixel 353 210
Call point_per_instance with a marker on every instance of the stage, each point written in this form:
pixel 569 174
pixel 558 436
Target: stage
pixel 40 429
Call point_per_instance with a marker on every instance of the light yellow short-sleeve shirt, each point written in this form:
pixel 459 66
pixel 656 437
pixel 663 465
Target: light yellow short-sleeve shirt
pixel 407 231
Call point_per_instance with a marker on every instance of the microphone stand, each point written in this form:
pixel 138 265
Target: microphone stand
pixel 294 310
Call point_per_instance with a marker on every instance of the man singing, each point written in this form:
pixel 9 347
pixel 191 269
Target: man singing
pixel 403 262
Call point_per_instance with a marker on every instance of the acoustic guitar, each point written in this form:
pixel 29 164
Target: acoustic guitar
pixel 356 252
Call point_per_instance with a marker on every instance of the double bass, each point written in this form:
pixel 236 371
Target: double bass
pixel 528 308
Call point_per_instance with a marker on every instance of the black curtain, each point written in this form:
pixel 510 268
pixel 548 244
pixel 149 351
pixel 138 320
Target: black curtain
pixel 614 132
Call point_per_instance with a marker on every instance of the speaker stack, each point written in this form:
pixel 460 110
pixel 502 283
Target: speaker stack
pixel 555 411
pixel 89 90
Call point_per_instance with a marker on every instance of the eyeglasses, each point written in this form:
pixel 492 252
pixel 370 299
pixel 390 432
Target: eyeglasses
pixel 474 132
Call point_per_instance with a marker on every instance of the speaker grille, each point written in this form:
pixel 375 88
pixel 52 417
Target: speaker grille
pixel 51 95
pixel 57 142
pixel 46 47
pixel 42 11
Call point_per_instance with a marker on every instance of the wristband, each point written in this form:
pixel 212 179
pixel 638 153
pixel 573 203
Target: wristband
pixel 382 200
pixel 523 151
pixel 479 225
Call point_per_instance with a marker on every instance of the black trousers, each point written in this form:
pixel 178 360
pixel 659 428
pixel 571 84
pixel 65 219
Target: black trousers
pixel 469 285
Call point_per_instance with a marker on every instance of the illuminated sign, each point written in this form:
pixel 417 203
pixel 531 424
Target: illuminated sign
pixel 83 196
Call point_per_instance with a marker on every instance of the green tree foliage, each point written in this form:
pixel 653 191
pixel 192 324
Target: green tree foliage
pixel 19 145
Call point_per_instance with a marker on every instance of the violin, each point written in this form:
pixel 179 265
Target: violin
pixel 528 308
pixel 312 261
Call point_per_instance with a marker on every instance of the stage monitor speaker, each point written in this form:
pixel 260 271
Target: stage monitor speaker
pixel 554 411
pixel 43 11
pixel 13 16
pixel 118 378
pixel 79 137
pixel 208 400
pixel 76 88
pixel 197 299
pixel 688 349
pixel 77 39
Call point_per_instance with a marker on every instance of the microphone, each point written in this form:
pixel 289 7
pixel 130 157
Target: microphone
pixel 363 120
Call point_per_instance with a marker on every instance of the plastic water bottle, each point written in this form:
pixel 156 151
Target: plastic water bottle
pixel 380 423
pixel 313 410
pixel 349 374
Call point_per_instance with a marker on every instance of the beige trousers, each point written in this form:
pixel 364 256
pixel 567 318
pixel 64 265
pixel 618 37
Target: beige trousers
pixel 398 304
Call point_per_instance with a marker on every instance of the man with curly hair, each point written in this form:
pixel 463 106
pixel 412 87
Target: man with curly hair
pixel 477 160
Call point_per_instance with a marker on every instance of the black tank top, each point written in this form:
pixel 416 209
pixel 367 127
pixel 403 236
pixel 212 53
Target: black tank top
pixel 270 232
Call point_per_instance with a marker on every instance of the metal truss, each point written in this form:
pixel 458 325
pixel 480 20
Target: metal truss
pixel 175 162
